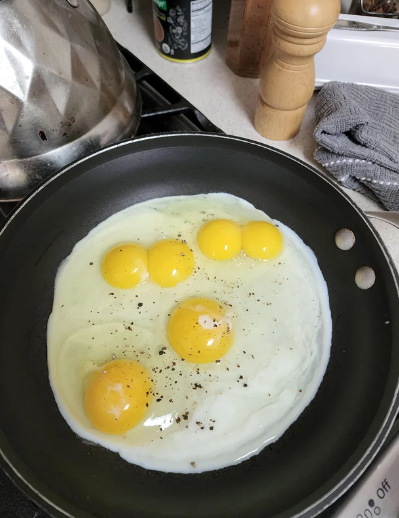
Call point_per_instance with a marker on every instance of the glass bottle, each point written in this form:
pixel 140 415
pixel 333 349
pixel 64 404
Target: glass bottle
pixel 248 28
pixel 183 29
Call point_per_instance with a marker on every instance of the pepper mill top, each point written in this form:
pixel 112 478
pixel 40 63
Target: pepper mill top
pixel 314 15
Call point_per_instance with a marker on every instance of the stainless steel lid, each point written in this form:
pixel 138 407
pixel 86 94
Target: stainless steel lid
pixel 65 90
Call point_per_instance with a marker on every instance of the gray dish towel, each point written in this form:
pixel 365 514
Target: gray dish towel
pixel 358 135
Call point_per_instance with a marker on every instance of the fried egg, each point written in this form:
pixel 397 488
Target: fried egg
pixel 197 372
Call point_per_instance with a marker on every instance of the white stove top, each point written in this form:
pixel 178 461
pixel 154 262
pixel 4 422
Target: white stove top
pixel 377 491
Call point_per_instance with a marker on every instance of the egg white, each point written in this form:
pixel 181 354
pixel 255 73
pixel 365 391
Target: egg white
pixel 203 417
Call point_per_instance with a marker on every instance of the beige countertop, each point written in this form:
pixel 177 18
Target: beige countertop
pixel 227 100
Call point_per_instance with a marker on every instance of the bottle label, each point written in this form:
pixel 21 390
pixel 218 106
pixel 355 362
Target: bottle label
pixel 183 28
pixel 161 4
pixel 201 25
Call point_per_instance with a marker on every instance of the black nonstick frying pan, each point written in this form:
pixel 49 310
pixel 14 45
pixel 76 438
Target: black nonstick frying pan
pixel 320 455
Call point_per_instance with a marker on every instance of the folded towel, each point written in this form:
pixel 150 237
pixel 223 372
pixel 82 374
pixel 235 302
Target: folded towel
pixel 358 135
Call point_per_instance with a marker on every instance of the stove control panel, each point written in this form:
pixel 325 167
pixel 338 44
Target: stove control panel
pixel 377 493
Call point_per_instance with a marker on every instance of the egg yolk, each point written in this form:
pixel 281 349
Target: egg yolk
pixel 220 239
pixel 261 240
pixel 199 331
pixel 170 262
pixel 117 396
pixel 125 266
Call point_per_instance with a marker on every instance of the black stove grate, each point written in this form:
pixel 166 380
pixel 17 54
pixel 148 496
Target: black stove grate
pixel 164 111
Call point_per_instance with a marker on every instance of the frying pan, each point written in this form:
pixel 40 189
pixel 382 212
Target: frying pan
pixel 320 455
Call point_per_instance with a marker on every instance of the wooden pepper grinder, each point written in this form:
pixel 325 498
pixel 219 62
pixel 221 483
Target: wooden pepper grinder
pixel 287 81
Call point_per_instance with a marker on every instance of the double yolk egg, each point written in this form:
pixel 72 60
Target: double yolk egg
pixel 168 262
pixel 118 395
pixel 222 239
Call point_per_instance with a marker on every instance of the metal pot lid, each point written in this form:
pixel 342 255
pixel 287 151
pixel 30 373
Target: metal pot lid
pixel 65 90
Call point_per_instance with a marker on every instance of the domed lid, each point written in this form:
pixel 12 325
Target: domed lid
pixel 64 86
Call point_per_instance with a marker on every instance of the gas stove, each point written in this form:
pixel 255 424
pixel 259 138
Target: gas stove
pixel 377 492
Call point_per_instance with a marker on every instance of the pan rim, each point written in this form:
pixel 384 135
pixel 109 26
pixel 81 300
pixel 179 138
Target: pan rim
pixel 373 449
